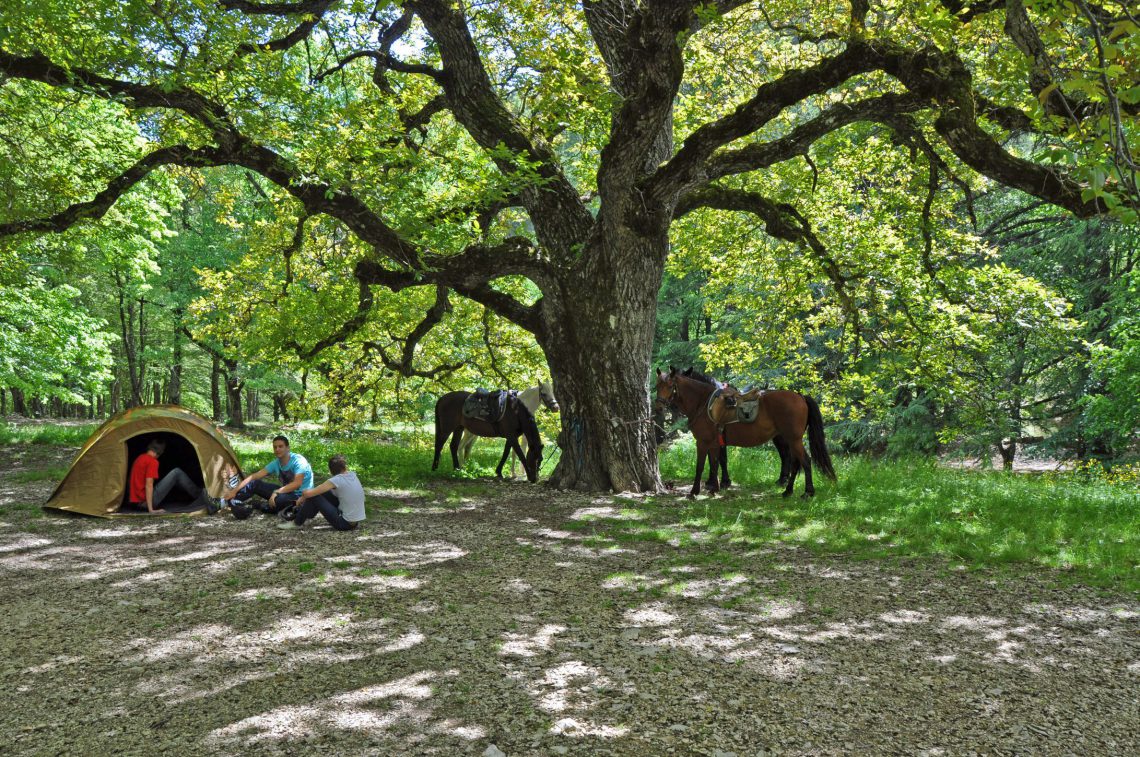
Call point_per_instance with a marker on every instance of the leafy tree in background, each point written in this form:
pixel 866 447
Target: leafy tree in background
pixel 456 146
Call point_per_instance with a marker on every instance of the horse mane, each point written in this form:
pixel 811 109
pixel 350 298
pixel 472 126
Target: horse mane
pixel 527 424
pixel 696 375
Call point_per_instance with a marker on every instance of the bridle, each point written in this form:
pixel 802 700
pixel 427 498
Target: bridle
pixel 547 399
pixel 671 401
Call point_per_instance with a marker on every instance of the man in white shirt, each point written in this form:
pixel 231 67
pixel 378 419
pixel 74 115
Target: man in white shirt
pixel 343 510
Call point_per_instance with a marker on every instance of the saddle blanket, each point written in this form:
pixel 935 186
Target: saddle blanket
pixel 728 405
pixel 486 406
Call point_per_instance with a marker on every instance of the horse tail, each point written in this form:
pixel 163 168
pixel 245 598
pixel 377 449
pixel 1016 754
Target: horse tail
pixel 816 441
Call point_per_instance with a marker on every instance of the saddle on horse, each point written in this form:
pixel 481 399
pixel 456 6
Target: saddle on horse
pixel 486 406
pixel 730 405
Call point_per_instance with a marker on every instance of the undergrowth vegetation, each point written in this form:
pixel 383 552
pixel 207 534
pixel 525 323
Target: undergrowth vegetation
pixel 1085 521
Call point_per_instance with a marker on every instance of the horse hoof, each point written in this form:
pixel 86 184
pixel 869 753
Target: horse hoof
pixel 807 495
pixel 787 494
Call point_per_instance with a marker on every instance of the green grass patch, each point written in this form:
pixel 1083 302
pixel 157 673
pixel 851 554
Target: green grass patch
pixel 914 508
pixel 39 474
pixel 37 433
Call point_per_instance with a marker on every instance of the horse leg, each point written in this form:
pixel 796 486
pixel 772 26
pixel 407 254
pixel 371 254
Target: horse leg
pixel 524 445
pixel 465 446
pixel 456 438
pixel 804 461
pixel 793 469
pixel 702 453
pixel 714 462
pixel 520 454
pixel 440 438
pixel 725 481
pixel 503 459
pixel 785 459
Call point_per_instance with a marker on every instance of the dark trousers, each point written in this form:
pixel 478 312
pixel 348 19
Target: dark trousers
pixel 166 484
pixel 265 490
pixel 327 505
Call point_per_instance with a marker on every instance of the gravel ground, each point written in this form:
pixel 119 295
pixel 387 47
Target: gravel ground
pixel 467 619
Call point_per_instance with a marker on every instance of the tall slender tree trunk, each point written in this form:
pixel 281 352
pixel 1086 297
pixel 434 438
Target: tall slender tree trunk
pixel 234 386
pixel 215 388
pixel 175 392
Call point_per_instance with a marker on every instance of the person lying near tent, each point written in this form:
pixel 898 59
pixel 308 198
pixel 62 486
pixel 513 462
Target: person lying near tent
pixel 343 510
pixel 294 472
pixel 148 491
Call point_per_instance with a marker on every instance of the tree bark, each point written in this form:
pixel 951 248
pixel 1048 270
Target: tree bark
pixel 175 391
pixel 215 388
pixel 234 387
pixel 598 341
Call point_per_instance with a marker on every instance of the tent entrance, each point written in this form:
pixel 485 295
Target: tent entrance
pixel 179 453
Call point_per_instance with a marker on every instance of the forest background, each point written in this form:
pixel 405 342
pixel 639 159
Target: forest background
pixel 946 309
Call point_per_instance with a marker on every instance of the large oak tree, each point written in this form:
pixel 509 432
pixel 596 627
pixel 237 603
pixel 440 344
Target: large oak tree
pixel 596 125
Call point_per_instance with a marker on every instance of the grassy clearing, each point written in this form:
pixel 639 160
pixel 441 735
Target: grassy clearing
pixel 54 473
pixel 45 433
pixel 399 460
pixel 912 508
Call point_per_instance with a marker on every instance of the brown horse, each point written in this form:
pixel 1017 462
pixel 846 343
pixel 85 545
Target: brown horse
pixel 787 414
pixel 777 441
pixel 517 421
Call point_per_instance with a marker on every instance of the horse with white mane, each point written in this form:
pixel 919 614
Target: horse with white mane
pixel 543 393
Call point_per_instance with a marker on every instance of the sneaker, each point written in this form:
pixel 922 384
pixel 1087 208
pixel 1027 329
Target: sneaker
pixel 288 525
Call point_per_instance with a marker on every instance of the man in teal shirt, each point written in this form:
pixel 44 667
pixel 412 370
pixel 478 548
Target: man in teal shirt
pixel 294 472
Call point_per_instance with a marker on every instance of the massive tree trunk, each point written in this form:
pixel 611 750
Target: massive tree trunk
pixel 597 334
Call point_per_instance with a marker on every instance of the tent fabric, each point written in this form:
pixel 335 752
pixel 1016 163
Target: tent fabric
pixel 97 479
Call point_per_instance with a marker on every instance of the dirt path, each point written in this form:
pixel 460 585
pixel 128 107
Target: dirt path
pixel 454 623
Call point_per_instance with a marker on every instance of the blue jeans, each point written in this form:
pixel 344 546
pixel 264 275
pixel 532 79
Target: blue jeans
pixel 167 483
pixel 327 505
pixel 265 490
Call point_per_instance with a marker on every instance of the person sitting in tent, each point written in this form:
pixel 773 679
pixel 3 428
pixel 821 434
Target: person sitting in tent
pixel 294 472
pixel 343 510
pixel 148 491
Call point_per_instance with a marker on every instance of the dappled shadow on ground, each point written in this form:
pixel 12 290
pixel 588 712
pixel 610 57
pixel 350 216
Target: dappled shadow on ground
pixel 447 625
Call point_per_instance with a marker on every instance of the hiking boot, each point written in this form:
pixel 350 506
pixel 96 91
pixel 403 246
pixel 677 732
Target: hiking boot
pixel 240 511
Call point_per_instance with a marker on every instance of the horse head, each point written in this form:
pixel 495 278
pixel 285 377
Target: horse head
pixel 546 394
pixel 666 389
pixel 533 462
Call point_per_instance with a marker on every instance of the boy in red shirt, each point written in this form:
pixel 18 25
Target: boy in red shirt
pixel 148 491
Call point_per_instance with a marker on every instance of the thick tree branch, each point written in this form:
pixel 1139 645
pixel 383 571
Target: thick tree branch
pixel 781 221
pixel 944 78
pixel 314 10
pixel 554 206
pixel 272 9
pixel 470 274
pixel 384 62
pixel 180 155
pixel 39 68
pixel 404 366
pixel 685 169
pixel 800 139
